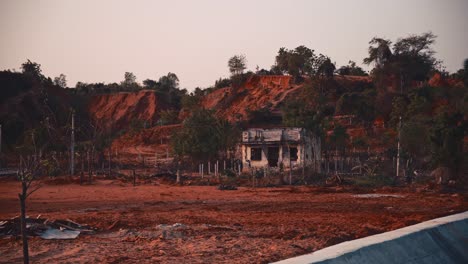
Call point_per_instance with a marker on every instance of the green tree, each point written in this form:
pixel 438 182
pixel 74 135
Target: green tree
pixel 61 80
pixel 359 104
pixel 351 69
pixel 379 52
pixel 412 59
pixel 325 68
pixel 296 63
pixel 446 137
pixel 339 138
pixel 129 81
pixel 33 70
pixel 465 69
pixel 168 117
pixel 237 64
pixel 203 136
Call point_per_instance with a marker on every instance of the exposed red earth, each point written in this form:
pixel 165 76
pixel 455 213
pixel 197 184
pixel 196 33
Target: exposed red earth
pixel 120 109
pixel 160 223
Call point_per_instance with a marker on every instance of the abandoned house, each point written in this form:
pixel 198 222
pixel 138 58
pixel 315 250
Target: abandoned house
pixel 275 147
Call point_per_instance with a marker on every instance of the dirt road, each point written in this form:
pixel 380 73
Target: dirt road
pixel 200 224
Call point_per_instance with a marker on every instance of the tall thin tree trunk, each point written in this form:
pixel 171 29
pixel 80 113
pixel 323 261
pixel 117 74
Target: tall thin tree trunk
pixel 24 236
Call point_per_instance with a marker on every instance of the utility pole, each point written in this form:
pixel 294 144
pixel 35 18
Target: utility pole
pixel 72 147
pixel 0 145
pixel 398 153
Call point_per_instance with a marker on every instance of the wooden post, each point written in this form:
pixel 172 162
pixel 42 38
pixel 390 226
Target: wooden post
pixel 72 145
pixel 360 166
pixel 178 173
pixel 224 161
pixel 303 161
pixel 1 145
pixel 110 162
pixel 334 160
pixel 89 166
pixel 398 153
pixel 134 177
pixel 82 161
pixel 202 170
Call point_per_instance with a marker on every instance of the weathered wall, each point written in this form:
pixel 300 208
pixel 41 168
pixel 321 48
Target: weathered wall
pixel 308 146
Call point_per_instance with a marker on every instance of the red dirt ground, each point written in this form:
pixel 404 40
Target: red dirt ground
pixel 244 226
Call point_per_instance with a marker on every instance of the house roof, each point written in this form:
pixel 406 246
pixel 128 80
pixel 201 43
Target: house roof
pixel 272 135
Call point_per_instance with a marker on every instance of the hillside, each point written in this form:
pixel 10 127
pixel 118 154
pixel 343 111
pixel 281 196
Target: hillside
pixel 266 92
pixel 257 93
pixel 119 110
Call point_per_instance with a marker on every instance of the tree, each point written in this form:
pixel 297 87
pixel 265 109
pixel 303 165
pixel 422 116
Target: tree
pixel 237 64
pixel 129 81
pixel 27 174
pixel 465 70
pixel 222 83
pixel 297 113
pixel 379 52
pixel 296 63
pixel 359 104
pixel 203 136
pixel 339 138
pixel 412 59
pixel 168 117
pixel 61 81
pixel 351 69
pixel 446 137
pixel 33 70
pixel 169 82
pixel 28 171
pixel 325 68
pixel 150 84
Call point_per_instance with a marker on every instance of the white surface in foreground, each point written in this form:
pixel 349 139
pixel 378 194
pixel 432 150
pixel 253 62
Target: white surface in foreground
pixel 436 241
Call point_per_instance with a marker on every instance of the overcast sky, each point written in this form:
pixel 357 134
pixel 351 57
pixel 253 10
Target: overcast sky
pixel 97 41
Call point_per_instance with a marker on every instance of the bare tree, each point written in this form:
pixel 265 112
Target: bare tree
pixel 27 174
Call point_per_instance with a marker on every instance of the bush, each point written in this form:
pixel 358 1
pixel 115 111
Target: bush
pixel 378 180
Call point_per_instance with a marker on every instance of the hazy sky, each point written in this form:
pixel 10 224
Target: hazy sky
pixel 97 41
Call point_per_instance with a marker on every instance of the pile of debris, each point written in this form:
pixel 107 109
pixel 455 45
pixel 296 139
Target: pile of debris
pixel 44 228
pixel 224 187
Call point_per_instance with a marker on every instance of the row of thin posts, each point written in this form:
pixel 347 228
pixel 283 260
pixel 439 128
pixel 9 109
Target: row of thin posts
pixel 339 164
pixel 202 169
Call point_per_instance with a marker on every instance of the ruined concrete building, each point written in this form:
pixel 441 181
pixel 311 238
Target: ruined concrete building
pixel 275 147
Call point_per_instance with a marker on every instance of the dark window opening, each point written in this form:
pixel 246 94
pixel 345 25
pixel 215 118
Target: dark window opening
pixel 255 154
pixel 293 154
pixel 273 156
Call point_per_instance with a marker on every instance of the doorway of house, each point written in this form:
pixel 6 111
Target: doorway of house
pixel 273 155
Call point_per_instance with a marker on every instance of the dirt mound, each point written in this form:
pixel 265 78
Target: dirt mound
pixel 121 109
pixel 257 93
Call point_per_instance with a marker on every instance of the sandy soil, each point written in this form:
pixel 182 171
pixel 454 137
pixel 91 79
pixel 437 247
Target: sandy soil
pixel 245 226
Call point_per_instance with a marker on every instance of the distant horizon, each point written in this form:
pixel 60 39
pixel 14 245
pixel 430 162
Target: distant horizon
pixel 99 41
